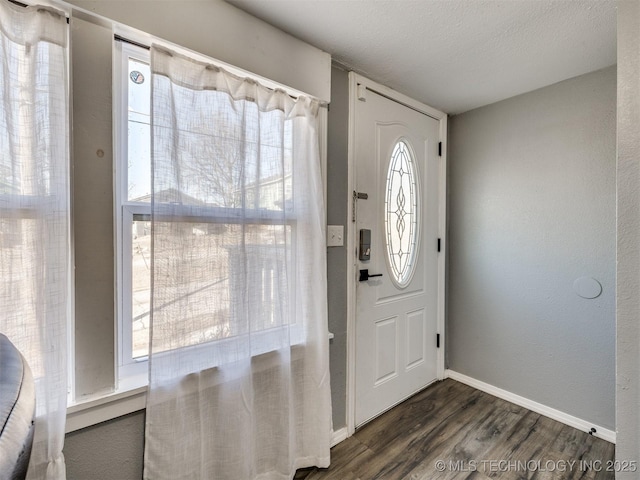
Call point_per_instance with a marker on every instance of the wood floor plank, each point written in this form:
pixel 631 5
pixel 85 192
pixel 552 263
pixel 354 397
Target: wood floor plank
pixel 476 435
pixel 396 431
pixel 421 412
pixel 447 427
pixel 457 439
pixel 528 441
pixel 476 476
pixel 472 445
pixel 343 461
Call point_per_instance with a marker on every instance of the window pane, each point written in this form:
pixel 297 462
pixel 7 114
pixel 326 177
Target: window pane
pixel 139 132
pixel 141 286
pixel 215 294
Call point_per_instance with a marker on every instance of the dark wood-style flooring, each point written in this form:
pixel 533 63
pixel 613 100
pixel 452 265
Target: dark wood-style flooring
pixel 474 435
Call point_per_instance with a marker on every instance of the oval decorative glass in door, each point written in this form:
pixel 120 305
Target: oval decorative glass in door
pixel 401 214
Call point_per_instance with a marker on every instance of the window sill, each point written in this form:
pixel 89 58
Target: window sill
pixel 131 397
pixel 97 410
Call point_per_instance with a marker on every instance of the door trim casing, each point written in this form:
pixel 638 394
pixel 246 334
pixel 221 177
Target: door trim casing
pixel 354 81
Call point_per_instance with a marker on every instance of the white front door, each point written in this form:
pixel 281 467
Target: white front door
pixel 396 209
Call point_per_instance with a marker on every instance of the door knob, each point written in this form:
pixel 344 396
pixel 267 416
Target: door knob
pixel 365 275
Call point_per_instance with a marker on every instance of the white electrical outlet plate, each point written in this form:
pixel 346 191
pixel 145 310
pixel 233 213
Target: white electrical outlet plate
pixel 335 235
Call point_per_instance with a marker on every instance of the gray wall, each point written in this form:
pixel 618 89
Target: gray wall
pixel 628 281
pixel 532 208
pixel 337 197
pixel 111 450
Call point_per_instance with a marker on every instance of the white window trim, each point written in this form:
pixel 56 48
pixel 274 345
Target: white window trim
pixel 105 407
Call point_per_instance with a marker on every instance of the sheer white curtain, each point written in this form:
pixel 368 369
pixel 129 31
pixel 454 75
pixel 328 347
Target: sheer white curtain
pixel 34 213
pixel 239 367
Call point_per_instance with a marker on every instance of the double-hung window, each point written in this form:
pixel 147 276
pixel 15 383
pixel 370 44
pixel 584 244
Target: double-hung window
pixel 252 222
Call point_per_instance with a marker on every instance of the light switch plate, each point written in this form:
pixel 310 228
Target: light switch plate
pixel 335 235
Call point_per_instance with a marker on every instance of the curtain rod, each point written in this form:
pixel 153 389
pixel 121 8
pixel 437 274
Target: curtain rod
pixel 147 47
pixel 131 42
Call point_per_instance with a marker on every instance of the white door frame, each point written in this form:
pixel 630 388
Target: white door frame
pixel 354 81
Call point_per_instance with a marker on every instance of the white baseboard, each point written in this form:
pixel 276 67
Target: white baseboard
pixel 575 422
pixel 338 436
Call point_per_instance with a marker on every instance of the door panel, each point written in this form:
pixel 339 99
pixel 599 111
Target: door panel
pixel 386 349
pixel 395 321
pixel 416 348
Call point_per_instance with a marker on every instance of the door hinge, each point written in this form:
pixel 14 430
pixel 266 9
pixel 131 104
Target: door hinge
pixel 437 340
pixel 439 149
pixel 438 245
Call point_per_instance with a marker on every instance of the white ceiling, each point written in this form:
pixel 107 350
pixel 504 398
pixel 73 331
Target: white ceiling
pixel 454 55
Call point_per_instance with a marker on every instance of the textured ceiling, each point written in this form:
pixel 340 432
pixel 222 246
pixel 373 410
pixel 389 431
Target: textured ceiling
pixel 454 55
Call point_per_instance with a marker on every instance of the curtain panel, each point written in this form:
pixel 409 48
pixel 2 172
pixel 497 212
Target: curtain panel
pixel 239 366
pixel 35 269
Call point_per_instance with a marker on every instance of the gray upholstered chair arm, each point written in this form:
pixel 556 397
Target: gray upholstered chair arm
pixel 17 409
